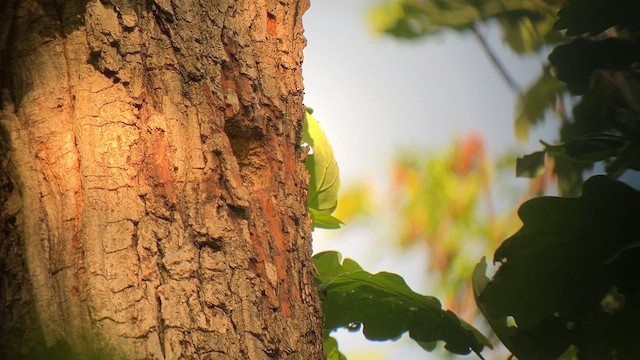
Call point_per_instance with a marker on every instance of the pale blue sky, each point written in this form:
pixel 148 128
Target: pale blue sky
pixel 374 95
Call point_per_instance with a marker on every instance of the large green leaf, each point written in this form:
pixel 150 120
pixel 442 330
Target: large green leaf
pixel 596 16
pixel 559 268
pixel 330 265
pixel 322 166
pixel 540 343
pixel 575 63
pixel 386 307
pixel 324 182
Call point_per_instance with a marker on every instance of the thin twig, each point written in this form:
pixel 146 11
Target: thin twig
pixel 496 61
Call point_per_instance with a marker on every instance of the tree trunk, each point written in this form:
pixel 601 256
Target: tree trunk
pixel 152 190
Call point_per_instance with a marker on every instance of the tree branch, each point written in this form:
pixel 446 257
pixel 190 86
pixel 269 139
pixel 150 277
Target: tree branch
pixel 496 61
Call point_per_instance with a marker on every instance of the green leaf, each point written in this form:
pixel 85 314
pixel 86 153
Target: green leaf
pixel 324 182
pixel 411 19
pixel 322 166
pixel 557 269
pixel 323 220
pixel 386 307
pixel 574 63
pixel 523 343
pixel 627 157
pixel 534 102
pixel 330 348
pixel 499 325
pixel 588 148
pixel 530 166
pixel 596 16
pixel 527 31
pixel 330 265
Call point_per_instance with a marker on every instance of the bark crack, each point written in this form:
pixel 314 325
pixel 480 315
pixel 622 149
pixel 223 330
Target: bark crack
pixel 163 273
pixel 160 325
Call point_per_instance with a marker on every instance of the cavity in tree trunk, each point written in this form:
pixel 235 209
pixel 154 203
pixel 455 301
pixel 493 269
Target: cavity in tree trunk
pixel 152 190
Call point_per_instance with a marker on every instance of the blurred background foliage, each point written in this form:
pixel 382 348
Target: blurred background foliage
pixel 597 64
pixel 459 201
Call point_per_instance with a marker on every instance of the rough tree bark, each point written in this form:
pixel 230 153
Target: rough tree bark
pixel 152 191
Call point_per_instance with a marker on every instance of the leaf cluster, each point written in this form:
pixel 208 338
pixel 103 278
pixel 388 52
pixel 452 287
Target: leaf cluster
pixel 526 24
pixel 381 304
pixel 385 307
pixel 601 66
pixel 569 275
